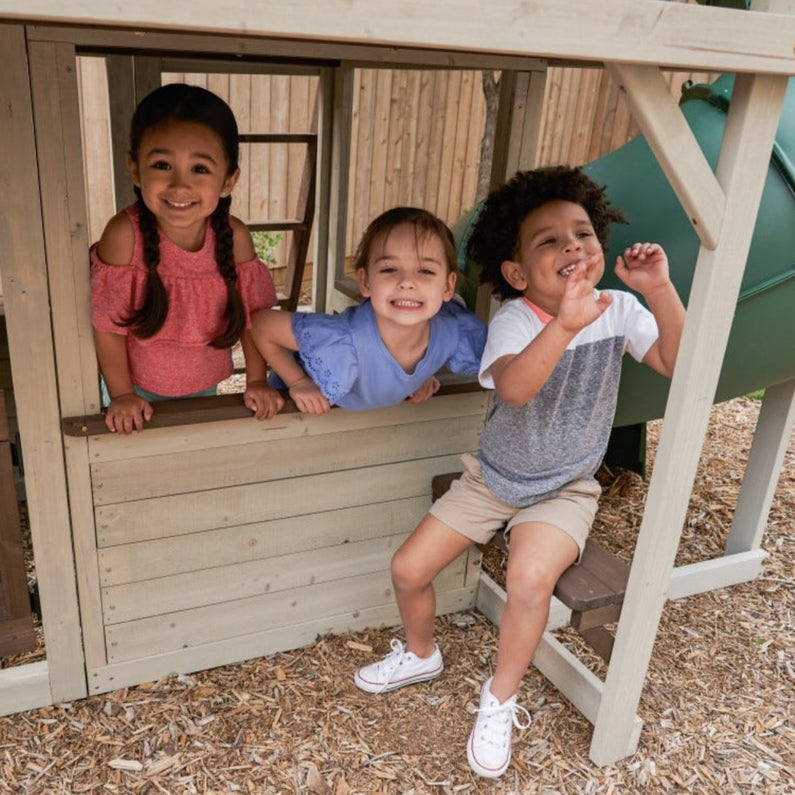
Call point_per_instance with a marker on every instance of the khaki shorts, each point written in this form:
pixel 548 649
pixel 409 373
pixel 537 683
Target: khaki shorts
pixel 471 509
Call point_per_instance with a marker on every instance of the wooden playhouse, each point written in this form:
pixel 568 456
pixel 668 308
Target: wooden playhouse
pixel 212 538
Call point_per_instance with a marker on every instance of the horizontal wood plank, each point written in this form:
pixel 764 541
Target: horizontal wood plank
pixel 256 644
pixel 176 473
pixel 121 523
pixel 25 687
pixel 218 408
pixel 175 592
pixel 290 425
pixel 650 32
pixel 178 554
pixel 141 638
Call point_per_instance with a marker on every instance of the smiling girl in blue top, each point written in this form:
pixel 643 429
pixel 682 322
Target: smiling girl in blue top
pixel 388 348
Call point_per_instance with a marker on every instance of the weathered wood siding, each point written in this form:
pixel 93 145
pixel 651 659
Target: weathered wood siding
pixel 223 541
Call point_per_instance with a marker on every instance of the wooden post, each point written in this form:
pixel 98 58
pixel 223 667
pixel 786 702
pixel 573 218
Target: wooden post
pixel 515 140
pixel 773 429
pixel 742 168
pixel 30 336
pixel 338 195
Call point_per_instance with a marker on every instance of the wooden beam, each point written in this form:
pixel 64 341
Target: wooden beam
pixel 24 687
pixel 709 575
pixel 742 169
pixel 338 188
pixel 30 335
pixel 771 439
pixel 303 55
pixel 676 35
pixel 674 145
pixel 325 177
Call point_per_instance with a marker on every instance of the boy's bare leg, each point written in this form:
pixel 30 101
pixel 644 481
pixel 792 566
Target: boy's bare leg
pixel 538 554
pixel 414 566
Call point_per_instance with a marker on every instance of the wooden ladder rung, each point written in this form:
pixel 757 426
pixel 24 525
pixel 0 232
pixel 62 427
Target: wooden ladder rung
pixel 285 225
pixel 278 138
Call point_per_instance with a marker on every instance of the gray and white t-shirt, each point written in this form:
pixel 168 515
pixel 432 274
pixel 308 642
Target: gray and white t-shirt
pixel 528 453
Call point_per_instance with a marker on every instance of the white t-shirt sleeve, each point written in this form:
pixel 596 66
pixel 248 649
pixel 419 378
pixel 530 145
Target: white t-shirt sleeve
pixel 511 330
pixel 640 327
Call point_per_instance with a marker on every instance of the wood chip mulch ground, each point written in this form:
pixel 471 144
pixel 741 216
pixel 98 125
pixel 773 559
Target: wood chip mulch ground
pixel 718 703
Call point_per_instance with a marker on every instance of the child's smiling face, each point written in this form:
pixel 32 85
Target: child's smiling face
pixel 553 238
pixel 407 276
pixel 182 170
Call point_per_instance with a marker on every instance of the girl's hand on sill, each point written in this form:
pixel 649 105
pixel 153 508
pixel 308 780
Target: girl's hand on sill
pixel 127 413
pixel 263 400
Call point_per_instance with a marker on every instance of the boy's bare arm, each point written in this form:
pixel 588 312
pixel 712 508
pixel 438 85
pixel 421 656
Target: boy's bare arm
pixel 669 312
pixel 519 377
pixel 644 268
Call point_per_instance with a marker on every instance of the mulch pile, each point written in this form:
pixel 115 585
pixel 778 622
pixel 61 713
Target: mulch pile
pixel 717 704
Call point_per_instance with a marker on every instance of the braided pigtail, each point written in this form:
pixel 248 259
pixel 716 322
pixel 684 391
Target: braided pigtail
pixel 234 314
pixel 148 320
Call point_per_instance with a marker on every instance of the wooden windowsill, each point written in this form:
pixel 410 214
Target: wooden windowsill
pixel 190 411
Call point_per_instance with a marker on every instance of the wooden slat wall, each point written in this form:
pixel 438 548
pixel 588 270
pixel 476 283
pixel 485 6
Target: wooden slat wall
pixel 320 505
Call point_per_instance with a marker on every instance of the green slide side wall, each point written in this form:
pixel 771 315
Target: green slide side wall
pixel 761 348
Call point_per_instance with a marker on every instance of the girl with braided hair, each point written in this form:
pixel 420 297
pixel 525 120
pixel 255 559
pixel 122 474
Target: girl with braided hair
pixel 174 277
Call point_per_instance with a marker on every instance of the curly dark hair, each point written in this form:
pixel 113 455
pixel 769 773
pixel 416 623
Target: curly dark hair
pixel 495 236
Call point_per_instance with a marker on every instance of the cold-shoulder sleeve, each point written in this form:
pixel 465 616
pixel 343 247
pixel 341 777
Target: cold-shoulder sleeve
pixel 116 291
pixel 327 352
pixel 470 333
pixel 255 284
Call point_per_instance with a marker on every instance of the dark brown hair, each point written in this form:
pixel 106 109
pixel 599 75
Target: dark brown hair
pixel 181 102
pixel 424 223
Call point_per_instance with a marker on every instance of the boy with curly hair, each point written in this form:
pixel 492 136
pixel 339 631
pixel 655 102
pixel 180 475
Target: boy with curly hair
pixel 553 357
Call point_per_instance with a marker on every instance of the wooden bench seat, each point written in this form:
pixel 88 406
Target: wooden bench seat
pixel 593 589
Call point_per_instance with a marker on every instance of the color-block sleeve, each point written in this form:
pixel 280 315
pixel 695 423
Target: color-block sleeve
pixel 511 329
pixel 327 352
pixel 471 336
pixel 116 290
pixel 255 284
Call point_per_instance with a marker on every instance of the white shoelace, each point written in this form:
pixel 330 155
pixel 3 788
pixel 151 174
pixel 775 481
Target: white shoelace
pixel 390 663
pixel 505 714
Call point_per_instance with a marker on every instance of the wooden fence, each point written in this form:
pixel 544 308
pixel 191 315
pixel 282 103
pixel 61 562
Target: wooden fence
pixel 415 138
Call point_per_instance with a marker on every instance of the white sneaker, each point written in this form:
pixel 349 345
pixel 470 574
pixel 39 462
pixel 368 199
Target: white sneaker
pixel 398 668
pixel 489 746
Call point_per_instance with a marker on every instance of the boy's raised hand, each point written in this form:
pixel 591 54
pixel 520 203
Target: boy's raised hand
pixel 643 268
pixel 580 304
